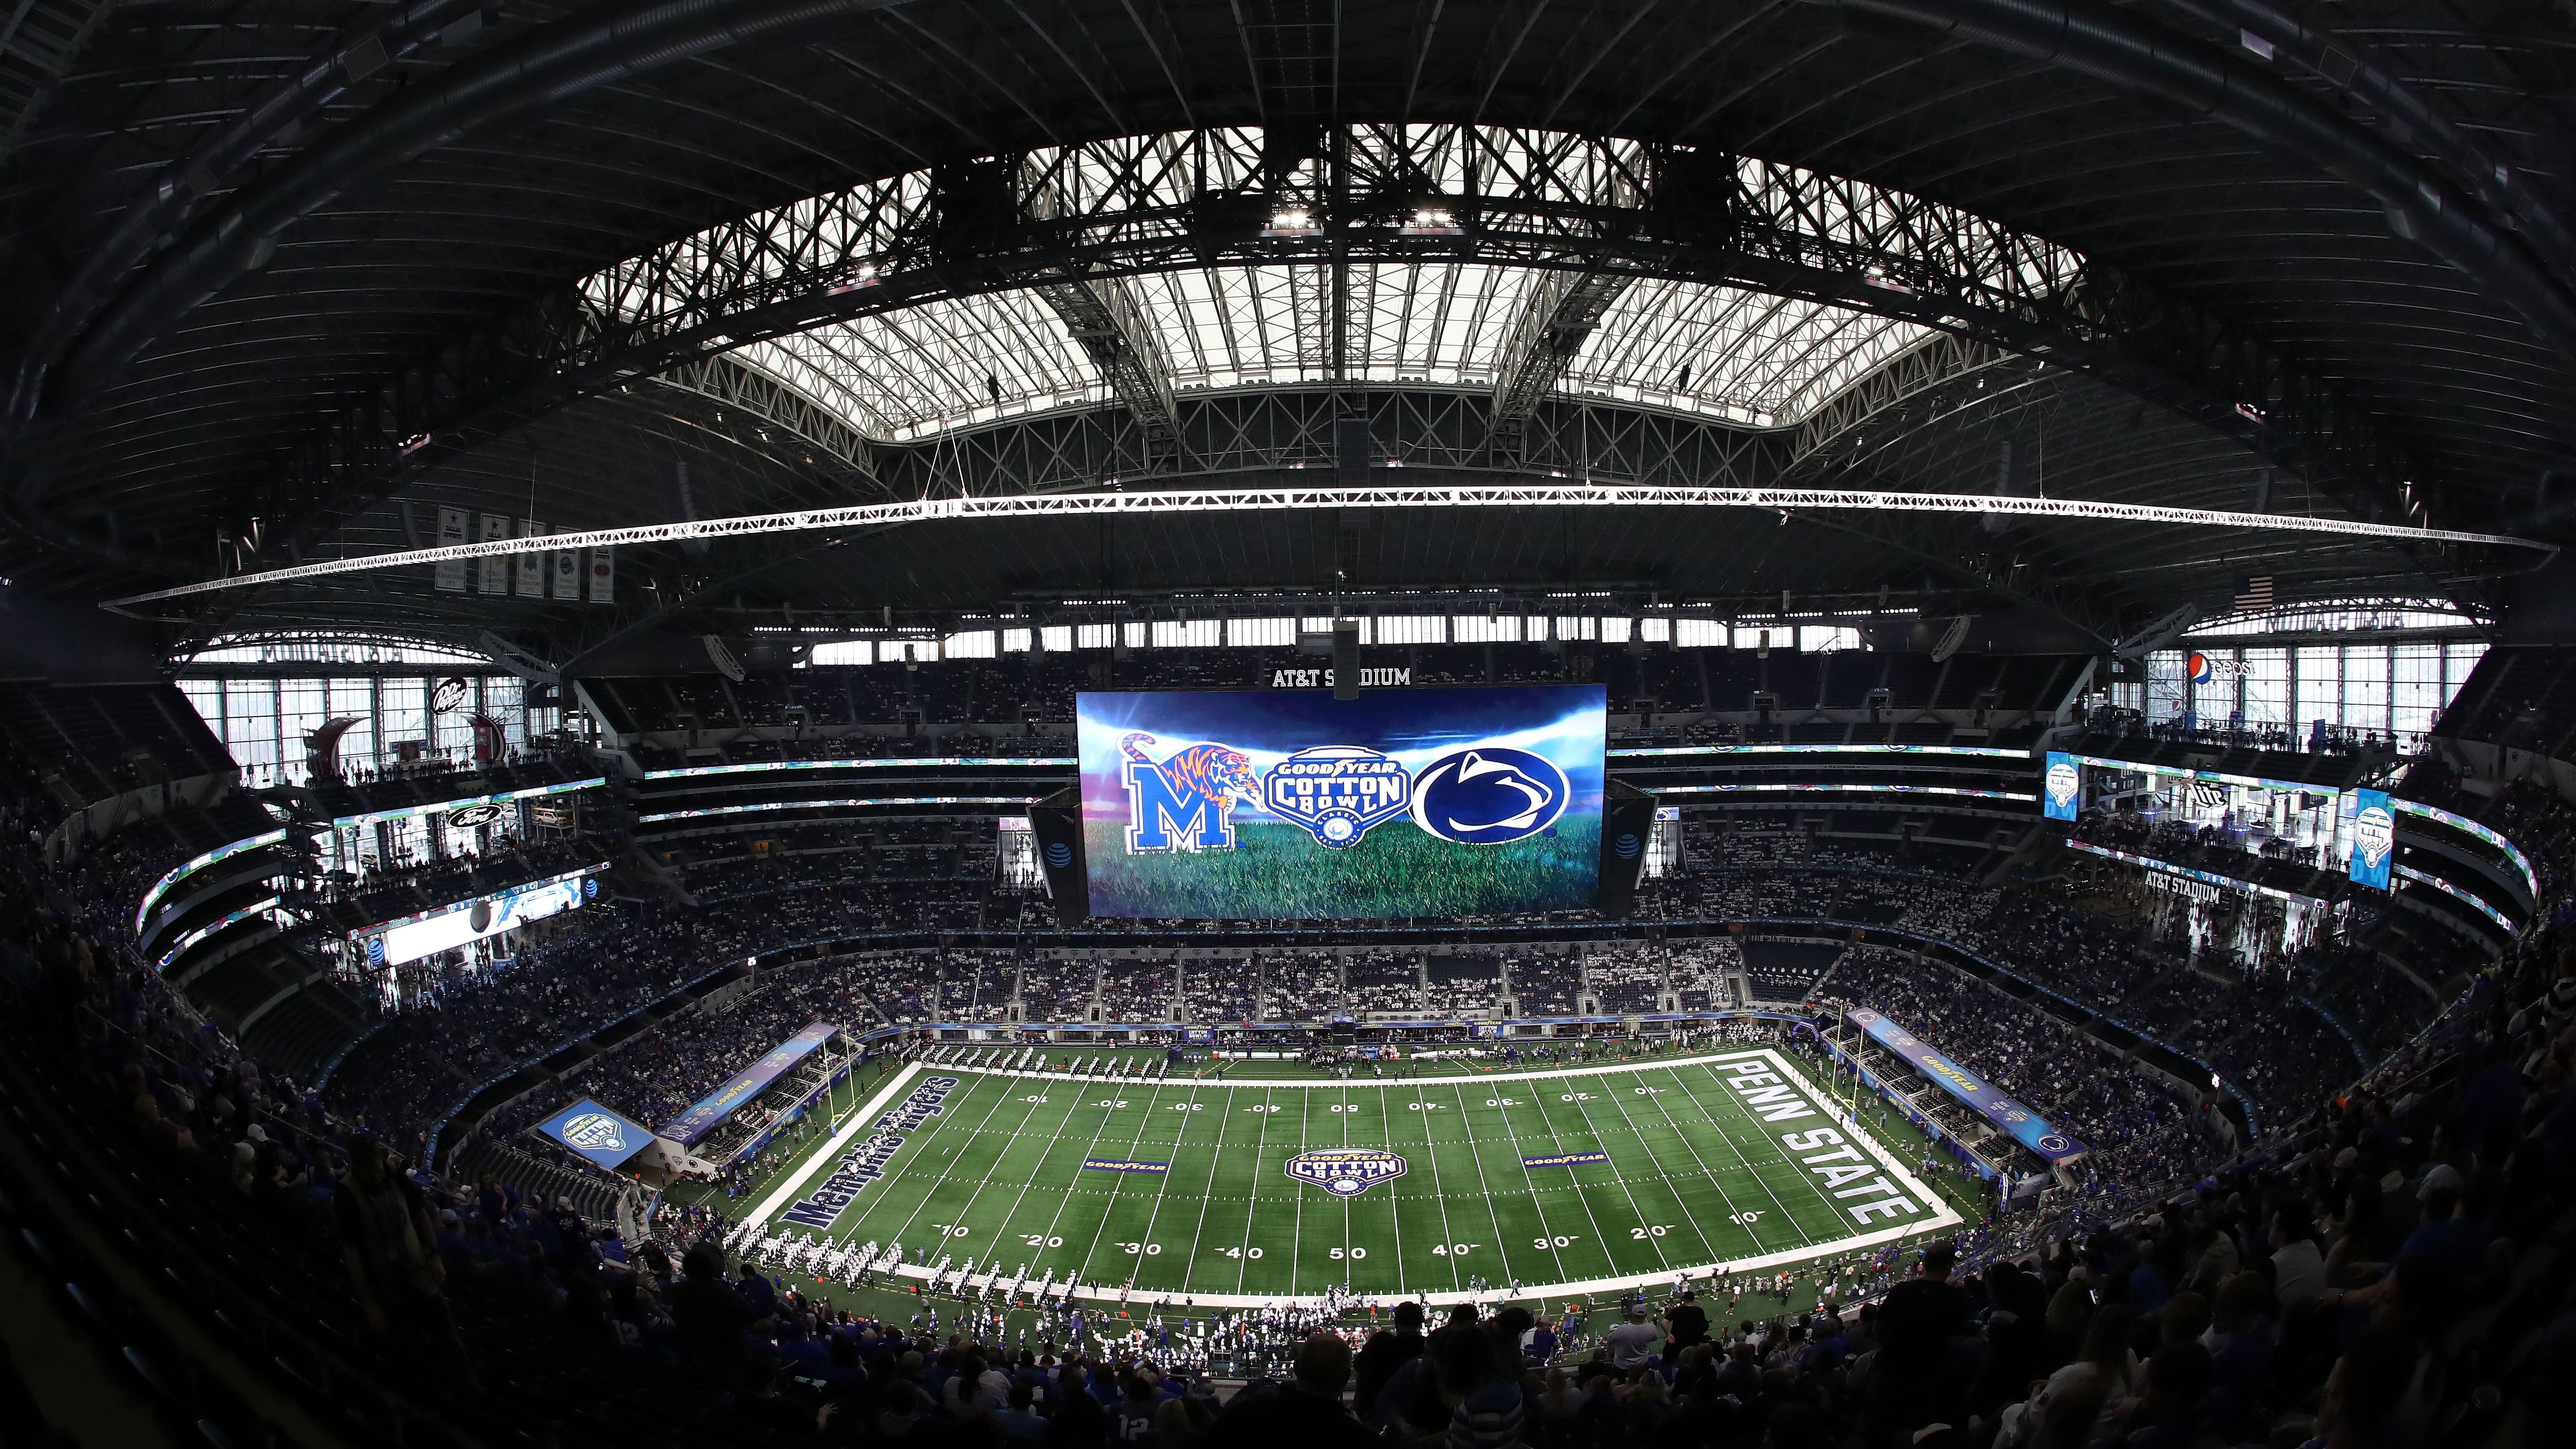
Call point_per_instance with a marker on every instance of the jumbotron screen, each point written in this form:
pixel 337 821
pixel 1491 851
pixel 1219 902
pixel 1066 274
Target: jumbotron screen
pixel 1259 804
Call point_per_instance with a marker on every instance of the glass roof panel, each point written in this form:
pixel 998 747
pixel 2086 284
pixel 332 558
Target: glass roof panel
pixel 1753 360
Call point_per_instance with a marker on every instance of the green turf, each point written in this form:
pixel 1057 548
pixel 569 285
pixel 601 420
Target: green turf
pixel 1395 871
pixel 1694 1181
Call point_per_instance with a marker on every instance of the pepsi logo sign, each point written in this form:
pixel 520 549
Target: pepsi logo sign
pixel 1489 795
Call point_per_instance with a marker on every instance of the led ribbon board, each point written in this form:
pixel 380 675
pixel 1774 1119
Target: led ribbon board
pixel 2206 877
pixel 161 887
pixel 441 807
pixel 710 812
pixel 2025 1126
pixel 391 943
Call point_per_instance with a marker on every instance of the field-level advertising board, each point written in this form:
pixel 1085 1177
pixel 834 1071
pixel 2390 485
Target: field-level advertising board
pixel 1566 1183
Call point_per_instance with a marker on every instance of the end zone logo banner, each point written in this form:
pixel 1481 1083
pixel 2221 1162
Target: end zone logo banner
pixel 2374 838
pixel 596 1133
pixel 1345 1171
pixel 1244 804
pixel 2026 1126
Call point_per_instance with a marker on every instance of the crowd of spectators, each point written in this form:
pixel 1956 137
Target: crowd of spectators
pixel 2139 1132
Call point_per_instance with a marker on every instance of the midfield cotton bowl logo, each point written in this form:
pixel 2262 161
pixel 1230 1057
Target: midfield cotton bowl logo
pixel 1337 792
pixel 2063 781
pixel 594 1132
pixel 1345 1171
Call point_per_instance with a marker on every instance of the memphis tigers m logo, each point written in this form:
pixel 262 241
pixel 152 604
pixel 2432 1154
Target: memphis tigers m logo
pixel 1181 802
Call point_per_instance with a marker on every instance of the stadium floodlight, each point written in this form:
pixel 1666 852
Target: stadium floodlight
pixel 1309 499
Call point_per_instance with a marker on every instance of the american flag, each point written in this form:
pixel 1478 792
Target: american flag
pixel 2255 592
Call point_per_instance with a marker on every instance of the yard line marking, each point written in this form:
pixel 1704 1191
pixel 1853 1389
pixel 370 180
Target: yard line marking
pixel 1387 1125
pixel 1709 1247
pixel 941 1181
pixel 1736 1110
pixel 1216 1154
pixel 1487 1188
pixel 1163 1189
pixel 1252 1196
pixel 1065 1196
pixel 1616 1176
pixel 1110 1206
pixel 1044 1155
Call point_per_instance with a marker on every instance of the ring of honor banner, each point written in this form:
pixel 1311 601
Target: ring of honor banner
pixel 595 1132
pixel 2374 838
pixel 2061 786
pixel 2025 1126
pixel 709 1112
pixel 1252 804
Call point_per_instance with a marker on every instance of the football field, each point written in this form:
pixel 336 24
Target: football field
pixel 1236 1193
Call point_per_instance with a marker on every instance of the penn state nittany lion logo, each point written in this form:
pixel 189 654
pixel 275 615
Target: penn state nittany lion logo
pixel 1345 1171
pixel 1183 802
pixel 1488 795
pixel 594 1132
pixel 1337 792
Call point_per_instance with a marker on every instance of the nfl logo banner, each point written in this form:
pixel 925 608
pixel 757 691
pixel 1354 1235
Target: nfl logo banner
pixel 2374 838
pixel 2061 786
pixel 596 1133
pixel 1345 1171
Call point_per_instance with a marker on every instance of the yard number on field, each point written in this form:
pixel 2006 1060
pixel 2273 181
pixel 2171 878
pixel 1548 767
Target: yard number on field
pixel 1452 1250
pixel 1651 1230
pixel 1254 1253
pixel 1555 1242
pixel 1041 1240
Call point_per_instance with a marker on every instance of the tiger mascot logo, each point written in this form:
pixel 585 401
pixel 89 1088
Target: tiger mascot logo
pixel 1185 800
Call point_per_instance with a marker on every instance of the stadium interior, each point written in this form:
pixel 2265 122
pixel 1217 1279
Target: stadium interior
pixel 644 643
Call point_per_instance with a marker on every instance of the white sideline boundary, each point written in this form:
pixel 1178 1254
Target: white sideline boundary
pixel 1942 1214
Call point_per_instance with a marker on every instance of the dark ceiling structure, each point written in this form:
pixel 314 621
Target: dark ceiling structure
pixel 287 280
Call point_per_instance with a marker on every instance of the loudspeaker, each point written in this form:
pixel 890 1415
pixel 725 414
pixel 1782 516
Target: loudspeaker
pixel 1056 824
pixel 1346 659
pixel 1627 829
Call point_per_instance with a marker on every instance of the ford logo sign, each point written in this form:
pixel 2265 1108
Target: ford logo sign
pixel 473 817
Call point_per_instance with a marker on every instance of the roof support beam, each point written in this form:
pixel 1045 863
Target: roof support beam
pixel 1091 214
pixel 1555 321
pixel 1103 315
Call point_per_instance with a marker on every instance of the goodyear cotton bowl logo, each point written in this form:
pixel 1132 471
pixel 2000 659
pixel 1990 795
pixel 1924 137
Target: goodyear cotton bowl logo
pixel 2374 834
pixel 1345 1171
pixel 1488 795
pixel 1182 801
pixel 2064 780
pixel 1337 792
pixel 594 1132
